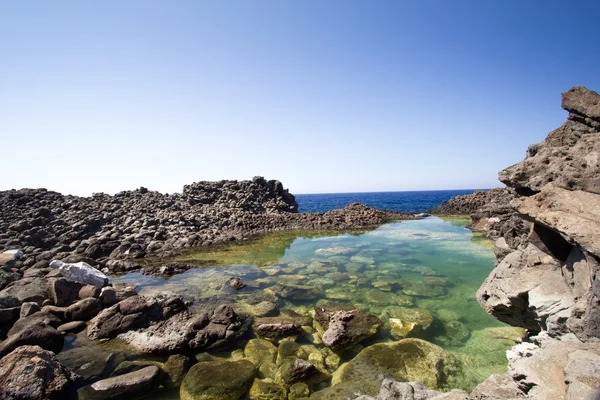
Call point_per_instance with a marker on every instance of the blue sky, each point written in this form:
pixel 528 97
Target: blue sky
pixel 326 96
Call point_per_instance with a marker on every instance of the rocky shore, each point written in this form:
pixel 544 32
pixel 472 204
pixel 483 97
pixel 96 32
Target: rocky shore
pixel 546 225
pixel 60 306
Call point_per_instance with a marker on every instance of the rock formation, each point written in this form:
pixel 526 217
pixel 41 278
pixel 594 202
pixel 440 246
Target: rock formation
pixel 549 281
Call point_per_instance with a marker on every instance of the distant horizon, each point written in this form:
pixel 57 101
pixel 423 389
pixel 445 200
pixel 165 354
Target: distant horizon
pixel 292 192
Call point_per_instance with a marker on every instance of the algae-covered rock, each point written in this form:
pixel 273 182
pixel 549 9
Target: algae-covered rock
pixel 293 370
pixel 408 360
pixel 260 351
pixel 455 333
pixel 218 380
pixel 267 390
pixel 298 391
pixel 175 369
pixel 404 322
pixel 422 289
pixel 379 297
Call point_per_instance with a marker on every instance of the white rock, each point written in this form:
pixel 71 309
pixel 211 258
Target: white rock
pixel 81 272
pixel 16 254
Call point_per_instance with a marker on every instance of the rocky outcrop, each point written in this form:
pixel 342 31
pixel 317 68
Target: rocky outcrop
pixel 568 158
pixel 550 283
pixel 31 373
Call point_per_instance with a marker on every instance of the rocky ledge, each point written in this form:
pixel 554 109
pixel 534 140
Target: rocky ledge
pixel 546 227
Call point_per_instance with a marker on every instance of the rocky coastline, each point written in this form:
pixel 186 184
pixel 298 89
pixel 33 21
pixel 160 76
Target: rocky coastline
pixel 112 232
pixel 546 227
pixel 59 252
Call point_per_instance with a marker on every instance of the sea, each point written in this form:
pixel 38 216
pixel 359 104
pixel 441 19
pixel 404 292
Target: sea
pixel 411 201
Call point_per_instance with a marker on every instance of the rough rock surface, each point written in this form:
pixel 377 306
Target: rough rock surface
pixel 186 331
pixel 31 373
pixel 568 157
pixel 550 284
pixel 391 390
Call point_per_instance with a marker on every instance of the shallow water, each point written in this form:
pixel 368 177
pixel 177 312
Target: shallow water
pixel 431 265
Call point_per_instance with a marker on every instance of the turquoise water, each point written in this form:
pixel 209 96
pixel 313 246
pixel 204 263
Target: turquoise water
pixel 430 267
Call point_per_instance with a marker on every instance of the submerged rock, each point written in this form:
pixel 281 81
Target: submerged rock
pixel 408 360
pixel 404 322
pixel 218 380
pixel 275 327
pixel 345 326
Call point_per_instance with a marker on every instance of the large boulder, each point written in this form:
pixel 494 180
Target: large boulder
pixel 408 360
pixel 31 373
pixel 218 380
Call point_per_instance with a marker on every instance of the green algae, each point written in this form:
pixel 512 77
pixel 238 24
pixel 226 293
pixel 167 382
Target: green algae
pixel 431 266
pixel 259 250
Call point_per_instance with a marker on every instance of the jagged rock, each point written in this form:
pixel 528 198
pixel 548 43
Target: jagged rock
pixel 345 326
pixel 80 272
pixel 127 385
pixel 218 380
pixel 530 288
pixel 7 277
pixel 568 157
pixel 573 214
pixel 184 331
pixel 556 369
pixel 131 313
pixel 31 373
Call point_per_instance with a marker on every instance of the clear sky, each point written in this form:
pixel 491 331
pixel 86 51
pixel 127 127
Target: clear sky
pixel 325 96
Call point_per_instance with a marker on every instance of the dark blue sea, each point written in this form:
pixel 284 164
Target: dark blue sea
pixel 416 201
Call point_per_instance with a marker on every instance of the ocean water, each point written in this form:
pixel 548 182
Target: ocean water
pixel 413 201
pixel 430 267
